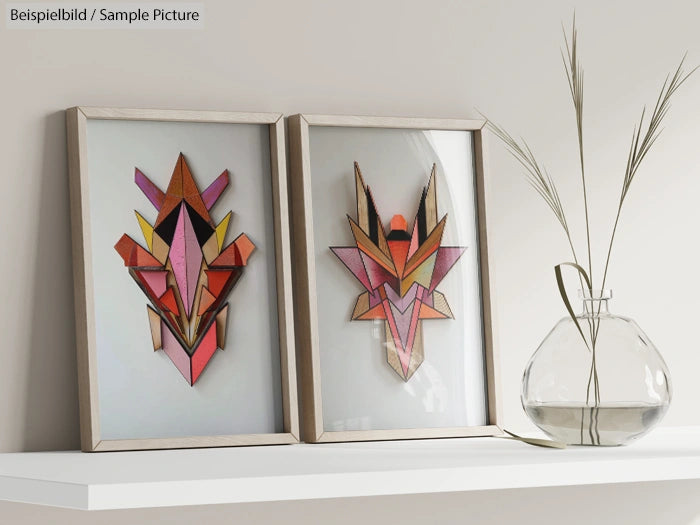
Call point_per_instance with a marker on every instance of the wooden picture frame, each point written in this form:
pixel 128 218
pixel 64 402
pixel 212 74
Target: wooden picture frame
pixel 78 119
pixel 306 307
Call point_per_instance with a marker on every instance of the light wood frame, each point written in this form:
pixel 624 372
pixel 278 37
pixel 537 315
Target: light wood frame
pixel 76 121
pixel 305 279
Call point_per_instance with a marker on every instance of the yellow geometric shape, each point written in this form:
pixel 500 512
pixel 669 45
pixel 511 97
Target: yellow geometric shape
pixel 146 229
pixel 430 245
pixel 421 275
pixel 221 230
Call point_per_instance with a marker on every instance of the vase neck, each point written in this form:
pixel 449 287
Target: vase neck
pixel 595 302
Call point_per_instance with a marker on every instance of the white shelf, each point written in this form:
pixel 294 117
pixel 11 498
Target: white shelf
pixel 121 480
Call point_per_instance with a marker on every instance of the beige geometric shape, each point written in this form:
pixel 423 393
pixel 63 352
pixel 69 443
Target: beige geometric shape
pixel 440 304
pixel 392 355
pixel 418 354
pixel 210 250
pixel 361 306
pixel 221 319
pixel 366 244
pixel 361 196
pixel 155 324
pixel 202 281
pixel 160 249
pixel 381 240
pixel 431 203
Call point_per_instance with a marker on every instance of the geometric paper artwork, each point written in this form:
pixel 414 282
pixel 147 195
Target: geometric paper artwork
pixel 185 270
pixel 400 271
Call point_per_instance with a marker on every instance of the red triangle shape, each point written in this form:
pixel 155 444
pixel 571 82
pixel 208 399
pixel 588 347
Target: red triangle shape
pixel 168 300
pixel 217 280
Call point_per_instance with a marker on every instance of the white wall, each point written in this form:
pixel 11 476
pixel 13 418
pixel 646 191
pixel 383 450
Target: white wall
pixel 431 58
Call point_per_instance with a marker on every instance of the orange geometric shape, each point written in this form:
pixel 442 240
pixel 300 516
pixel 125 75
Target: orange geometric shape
pixel 134 255
pixel 399 254
pixel 235 254
pixel 182 187
pixel 399 223
pixel 426 312
pixel 377 312
pixel 229 257
pixel 206 301
pixel 245 247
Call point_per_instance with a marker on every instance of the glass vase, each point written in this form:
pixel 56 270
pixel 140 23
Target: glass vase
pixel 600 381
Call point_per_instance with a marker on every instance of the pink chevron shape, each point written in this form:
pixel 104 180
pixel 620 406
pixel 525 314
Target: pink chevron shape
pixel 446 259
pixel 214 190
pixel 150 190
pixel 351 258
pixel 402 303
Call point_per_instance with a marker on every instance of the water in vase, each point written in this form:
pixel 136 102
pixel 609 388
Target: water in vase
pixel 606 425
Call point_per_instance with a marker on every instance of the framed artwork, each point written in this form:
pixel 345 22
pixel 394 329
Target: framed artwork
pixel 393 310
pixel 182 279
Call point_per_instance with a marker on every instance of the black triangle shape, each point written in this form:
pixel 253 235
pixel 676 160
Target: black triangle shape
pixel 166 229
pixel 202 229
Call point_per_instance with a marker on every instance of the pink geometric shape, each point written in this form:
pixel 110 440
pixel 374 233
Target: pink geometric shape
pixel 377 274
pixel 173 349
pixel 446 259
pixel 413 248
pixel 352 259
pixel 155 280
pixel 403 353
pixel 186 257
pixel 149 189
pixel 403 322
pixel 374 298
pixel 214 190
pixel 401 302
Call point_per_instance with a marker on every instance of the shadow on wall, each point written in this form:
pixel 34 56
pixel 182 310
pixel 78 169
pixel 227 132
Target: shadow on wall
pixel 51 414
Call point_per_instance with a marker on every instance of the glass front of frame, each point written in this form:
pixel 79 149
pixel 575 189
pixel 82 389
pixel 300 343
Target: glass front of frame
pixel 172 175
pixel 397 278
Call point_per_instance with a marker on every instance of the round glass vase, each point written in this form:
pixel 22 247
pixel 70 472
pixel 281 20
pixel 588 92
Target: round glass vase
pixel 604 385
